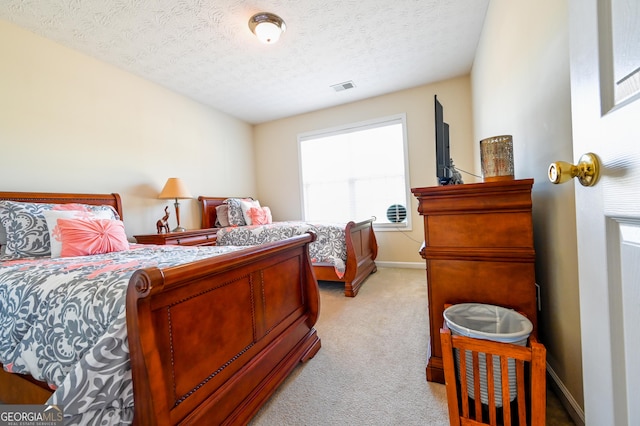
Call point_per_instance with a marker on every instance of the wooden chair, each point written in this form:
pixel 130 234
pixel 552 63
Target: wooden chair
pixel 529 405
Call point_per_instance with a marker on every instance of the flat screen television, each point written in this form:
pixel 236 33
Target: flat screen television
pixel 443 157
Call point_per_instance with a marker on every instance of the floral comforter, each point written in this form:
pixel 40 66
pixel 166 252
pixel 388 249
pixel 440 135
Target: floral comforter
pixel 329 247
pixel 63 321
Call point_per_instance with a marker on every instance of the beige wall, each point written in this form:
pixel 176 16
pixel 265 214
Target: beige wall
pixel 276 148
pixel 69 123
pixel 520 83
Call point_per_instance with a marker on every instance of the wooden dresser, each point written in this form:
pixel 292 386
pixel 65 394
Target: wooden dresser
pixel 195 237
pixel 478 247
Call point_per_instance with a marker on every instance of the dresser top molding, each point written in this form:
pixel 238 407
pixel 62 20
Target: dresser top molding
pixel 506 195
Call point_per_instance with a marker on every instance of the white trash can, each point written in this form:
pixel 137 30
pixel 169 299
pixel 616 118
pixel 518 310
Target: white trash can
pixel 488 322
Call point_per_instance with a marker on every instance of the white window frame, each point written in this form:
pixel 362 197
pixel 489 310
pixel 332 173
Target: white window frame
pixel 360 126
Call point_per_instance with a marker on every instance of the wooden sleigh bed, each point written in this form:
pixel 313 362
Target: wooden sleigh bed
pixel 209 340
pixel 361 249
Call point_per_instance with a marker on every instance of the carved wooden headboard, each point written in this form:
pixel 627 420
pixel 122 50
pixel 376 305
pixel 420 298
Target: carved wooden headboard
pixel 112 200
pixel 208 208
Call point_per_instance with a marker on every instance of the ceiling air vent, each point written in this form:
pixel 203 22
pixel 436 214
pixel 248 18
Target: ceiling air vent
pixel 344 86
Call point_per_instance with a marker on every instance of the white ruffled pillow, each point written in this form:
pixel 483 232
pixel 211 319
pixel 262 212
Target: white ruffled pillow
pixel 246 205
pixel 52 216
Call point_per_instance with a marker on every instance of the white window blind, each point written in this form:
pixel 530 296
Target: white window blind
pixel 355 172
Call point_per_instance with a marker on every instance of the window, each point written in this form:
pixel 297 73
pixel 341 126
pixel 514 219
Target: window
pixel 355 172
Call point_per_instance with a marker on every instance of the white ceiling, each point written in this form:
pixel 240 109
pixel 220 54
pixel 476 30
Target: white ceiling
pixel 205 50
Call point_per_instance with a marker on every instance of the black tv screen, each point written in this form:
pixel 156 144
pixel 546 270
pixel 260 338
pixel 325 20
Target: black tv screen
pixel 443 158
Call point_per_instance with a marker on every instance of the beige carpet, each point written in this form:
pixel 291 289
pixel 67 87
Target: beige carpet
pixel 371 367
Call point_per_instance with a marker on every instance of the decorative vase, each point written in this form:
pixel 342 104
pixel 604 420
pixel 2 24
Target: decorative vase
pixel 496 158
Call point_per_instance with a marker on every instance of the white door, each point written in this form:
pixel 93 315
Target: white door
pixel 605 85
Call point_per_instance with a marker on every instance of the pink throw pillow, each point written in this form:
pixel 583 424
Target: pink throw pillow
pixel 85 237
pixel 71 206
pixel 247 204
pixel 260 215
pixel 52 216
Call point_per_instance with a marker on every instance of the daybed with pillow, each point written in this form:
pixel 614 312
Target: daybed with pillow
pixel 343 252
pixel 115 333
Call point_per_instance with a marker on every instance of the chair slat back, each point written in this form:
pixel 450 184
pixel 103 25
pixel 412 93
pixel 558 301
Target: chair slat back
pixel 480 361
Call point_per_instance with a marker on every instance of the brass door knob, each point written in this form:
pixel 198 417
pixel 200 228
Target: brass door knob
pixel 587 170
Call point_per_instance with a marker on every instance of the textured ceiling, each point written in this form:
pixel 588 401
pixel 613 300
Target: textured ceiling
pixel 205 50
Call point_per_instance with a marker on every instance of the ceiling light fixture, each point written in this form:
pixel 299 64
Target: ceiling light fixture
pixel 267 27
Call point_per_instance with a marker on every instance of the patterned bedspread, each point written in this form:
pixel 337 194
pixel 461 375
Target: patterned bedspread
pixel 63 322
pixel 330 246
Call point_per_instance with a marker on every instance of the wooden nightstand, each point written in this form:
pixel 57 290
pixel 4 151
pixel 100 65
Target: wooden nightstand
pixel 195 237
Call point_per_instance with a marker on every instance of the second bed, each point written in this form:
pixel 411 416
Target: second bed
pixel 342 252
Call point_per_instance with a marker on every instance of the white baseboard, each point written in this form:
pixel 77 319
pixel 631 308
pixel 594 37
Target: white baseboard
pixel 575 412
pixel 405 265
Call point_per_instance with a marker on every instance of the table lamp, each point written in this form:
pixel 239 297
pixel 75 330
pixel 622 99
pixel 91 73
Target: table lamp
pixel 176 189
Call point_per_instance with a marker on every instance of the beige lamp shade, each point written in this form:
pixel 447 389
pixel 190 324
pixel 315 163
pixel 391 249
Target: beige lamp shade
pixel 175 188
